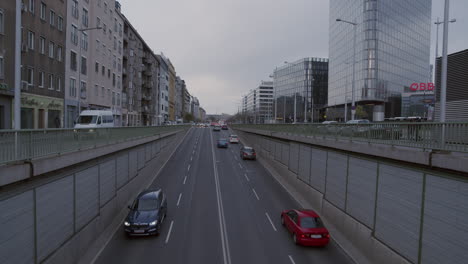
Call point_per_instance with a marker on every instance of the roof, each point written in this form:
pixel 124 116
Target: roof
pixel 306 213
pixel 96 112
pixel 149 194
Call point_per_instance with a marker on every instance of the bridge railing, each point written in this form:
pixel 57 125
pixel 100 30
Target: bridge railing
pixel 438 136
pixel 23 145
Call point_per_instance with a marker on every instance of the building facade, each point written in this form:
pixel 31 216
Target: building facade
pixel 195 107
pixel 300 90
pixel 163 88
pixel 7 62
pixel 457 87
pixel 43 63
pixel 179 99
pixel 172 91
pixel 186 101
pixel 392 52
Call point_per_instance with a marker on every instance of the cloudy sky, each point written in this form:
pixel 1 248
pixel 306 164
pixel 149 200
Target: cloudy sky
pixel 224 48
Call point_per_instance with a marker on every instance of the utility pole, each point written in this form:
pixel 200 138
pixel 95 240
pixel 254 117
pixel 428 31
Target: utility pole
pixel 17 98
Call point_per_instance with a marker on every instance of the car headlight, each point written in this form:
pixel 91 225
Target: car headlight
pixel 91 130
pixel 153 223
pixel 126 223
pixel 74 130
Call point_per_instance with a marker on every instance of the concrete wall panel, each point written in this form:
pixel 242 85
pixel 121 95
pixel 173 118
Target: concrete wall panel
pixel 294 157
pixel 17 229
pixel 133 163
pixel 122 170
pixel 148 154
pixel 141 157
pixel 398 215
pixel 86 196
pixel 304 163
pixel 336 179
pixel 445 230
pixel 285 154
pixel 318 169
pixel 54 215
pixel 362 178
pixel 278 150
pixel 107 181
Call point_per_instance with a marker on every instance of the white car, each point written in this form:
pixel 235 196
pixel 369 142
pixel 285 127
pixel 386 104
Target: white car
pixel 233 139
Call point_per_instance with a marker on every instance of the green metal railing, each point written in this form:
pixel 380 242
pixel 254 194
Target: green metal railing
pixel 437 136
pixel 23 145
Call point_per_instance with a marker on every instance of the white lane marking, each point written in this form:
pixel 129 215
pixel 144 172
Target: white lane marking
pixel 256 195
pixel 291 259
pixel 271 222
pixel 185 179
pixel 169 233
pixel 193 152
pixel 178 201
pixel 188 168
pixel 240 165
pixel 222 221
pixel 191 158
pixel 246 177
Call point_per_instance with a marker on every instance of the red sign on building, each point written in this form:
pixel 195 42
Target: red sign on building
pixel 422 87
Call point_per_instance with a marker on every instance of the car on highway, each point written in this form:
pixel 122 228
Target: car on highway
pixel 306 227
pixel 224 127
pixel 217 128
pixel 329 122
pixel 147 213
pixel 233 139
pixel 248 153
pixel 222 143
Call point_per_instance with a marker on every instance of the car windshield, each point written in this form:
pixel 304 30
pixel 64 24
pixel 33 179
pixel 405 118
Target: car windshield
pixel 249 150
pixel 311 222
pixel 222 141
pixel 233 136
pixel 145 204
pixel 86 119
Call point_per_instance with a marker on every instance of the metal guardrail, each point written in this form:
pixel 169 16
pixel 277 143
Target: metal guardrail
pixel 22 145
pixel 437 136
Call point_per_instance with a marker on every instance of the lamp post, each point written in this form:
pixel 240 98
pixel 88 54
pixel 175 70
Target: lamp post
pixel 79 69
pixel 17 98
pixel 353 103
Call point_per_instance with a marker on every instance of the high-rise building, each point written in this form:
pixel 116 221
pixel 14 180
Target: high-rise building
pixel 163 89
pixel 44 33
pixel 300 90
pixel 457 87
pixel 392 52
pixel 179 98
pixel 259 103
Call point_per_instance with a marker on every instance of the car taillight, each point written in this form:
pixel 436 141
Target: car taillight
pixel 304 235
pixel 326 235
pixel 254 154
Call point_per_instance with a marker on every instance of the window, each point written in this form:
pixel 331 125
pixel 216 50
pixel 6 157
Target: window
pixel 31 40
pixel 42 45
pixel 43 11
pixel 98 22
pixel 99 3
pixel 30 76
pixel 105 8
pixel 115 25
pixel 120 47
pixel 83 90
pixel 113 98
pixel 103 70
pixel 2 22
pixel 103 91
pixel 104 28
pixel 83 66
pixel 113 79
pixel 96 67
pixel 114 64
pixel 59 53
pixel 2 68
pixel 119 65
pixel 74 35
pixel 115 43
pixel 311 222
pixel 60 23
pixel 51 82
pixel 32 6
pixel 120 29
pixel 41 79
pixel 84 40
pixel 75 8
pixel 51 50
pixel 52 18
pixel 96 90
pixel 59 84
pixel 72 87
pixel 98 43
pixel 73 62
pixel 84 17
pixel 108 73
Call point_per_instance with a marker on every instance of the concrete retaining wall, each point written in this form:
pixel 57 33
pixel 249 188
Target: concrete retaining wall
pixel 378 210
pixel 55 217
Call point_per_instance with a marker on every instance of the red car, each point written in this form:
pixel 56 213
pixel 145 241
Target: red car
pixel 306 227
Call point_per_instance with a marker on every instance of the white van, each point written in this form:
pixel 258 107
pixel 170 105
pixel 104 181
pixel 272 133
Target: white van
pixel 95 119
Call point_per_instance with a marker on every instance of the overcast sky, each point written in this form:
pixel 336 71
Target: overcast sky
pixel 224 48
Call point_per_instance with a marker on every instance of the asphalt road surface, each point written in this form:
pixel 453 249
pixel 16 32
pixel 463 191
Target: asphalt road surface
pixel 221 209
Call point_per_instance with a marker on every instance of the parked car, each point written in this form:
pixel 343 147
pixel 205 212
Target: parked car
pixel 222 143
pixel 217 128
pixel 147 213
pixel 329 122
pixel 233 139
pixel 248 153
pixel 306 227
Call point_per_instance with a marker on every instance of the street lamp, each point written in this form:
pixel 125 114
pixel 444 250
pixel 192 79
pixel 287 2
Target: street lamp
pixel 79 69
pixel 353 103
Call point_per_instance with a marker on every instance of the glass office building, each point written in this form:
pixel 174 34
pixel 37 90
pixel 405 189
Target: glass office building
pixel 300 90
pixel 392 52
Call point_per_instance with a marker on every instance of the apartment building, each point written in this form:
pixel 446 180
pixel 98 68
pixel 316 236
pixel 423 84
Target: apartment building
pixel 7 62
pixel 43 63
pixel 163 89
